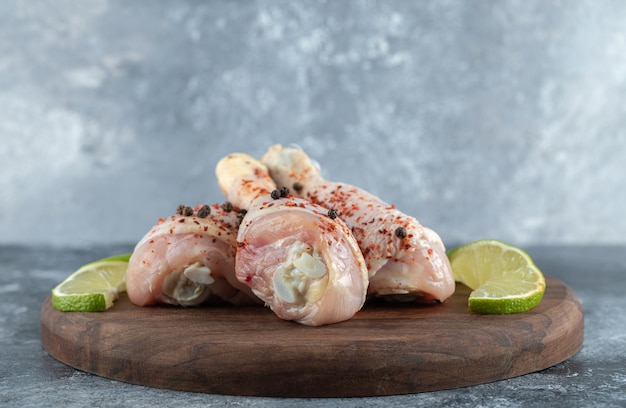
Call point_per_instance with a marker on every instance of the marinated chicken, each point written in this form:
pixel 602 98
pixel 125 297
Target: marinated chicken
pixel 405 260
pixel 296 256
pixel 189 259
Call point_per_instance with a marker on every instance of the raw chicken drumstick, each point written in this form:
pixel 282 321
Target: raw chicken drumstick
pixel 300 260
pixel 188 259
pixel 403 257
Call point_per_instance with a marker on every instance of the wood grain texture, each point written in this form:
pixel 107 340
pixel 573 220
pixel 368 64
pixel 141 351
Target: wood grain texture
pixel 385 349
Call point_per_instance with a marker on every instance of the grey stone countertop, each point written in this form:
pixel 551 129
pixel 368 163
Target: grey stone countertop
pixel 594 376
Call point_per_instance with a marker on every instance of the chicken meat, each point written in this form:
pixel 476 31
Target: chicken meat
pixel 406 261
pixel 296 256
pixel 188 259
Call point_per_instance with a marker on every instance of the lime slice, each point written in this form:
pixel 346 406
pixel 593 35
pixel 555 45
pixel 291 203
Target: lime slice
pixel 93 287
pixel 503 278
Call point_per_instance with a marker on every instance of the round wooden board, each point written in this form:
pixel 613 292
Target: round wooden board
pixel 385 349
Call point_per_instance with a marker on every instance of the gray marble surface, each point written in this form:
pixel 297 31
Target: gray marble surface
pixel 595 376
pixel 502 119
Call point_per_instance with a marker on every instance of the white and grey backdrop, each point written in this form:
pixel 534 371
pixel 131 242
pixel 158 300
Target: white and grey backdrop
pixel 500 119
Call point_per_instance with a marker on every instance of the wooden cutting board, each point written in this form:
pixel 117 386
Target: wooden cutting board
pixel 385 349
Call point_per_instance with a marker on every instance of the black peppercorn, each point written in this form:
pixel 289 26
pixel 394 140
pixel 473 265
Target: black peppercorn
pixel 204 211
pixel 332 213
pixel 275 194
pixel 227 206
pixel 297 186
pixel 284 191
pixel 400 232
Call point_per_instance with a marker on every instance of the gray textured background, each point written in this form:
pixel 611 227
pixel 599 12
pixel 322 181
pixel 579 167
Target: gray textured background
pixel 482 119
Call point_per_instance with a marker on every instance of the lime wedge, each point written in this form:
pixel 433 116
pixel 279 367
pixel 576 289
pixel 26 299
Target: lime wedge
pixel 93 287
pixel 504 279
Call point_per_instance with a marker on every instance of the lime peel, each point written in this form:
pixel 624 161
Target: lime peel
pixel 93 287
pixel 120 258
pixel 504 279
